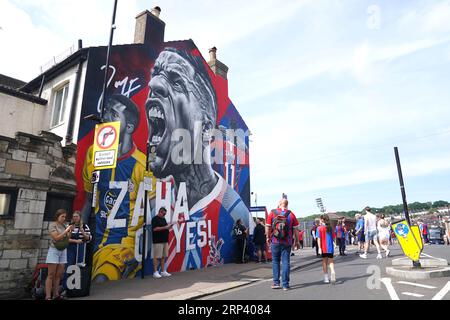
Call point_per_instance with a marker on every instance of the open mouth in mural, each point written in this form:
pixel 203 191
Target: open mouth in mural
pixel 157 123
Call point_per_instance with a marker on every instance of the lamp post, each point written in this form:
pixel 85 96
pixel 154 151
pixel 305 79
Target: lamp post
pixel 108 56
pixel 100 120
pixel 256 198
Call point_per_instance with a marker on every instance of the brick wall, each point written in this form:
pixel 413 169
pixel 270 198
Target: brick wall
pixel 34 166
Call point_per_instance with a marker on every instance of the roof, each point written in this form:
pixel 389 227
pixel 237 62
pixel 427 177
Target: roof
pixel 11 82
pixel 22 95
pixel 56 70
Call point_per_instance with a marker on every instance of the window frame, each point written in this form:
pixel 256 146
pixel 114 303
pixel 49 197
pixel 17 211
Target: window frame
pixel 64 87
pixel 13 192
pixel 48 215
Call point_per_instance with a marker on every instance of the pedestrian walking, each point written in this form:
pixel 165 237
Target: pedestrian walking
pixel 371 233
pixel 259 239
pixel 282 233
pixel 325 240
pixel 423 230
pixel 447 231
pixel 314 234
pixel 384 233
pixel 301 235
pixel 359 232
pixel 240 236
pixel 341 231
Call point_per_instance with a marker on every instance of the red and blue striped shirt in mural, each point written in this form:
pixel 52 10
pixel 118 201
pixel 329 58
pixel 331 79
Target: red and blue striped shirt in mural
pixel 326 239
pixel 221 209
pixel 291 222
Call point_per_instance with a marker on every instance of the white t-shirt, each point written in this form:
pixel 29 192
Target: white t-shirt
pixel 371 222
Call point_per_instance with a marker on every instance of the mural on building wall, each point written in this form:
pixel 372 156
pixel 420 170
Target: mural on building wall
pixel 198 158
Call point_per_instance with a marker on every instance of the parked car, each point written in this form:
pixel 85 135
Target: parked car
pixel 436 235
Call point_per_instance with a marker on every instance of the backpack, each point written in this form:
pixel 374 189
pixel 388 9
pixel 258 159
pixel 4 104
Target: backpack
pixel 280 226
pixel 37 285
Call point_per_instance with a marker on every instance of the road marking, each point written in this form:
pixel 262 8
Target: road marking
pixel 416 284
pixel 413 294
pixel 390 288
pixel 441 294
pixel 428 256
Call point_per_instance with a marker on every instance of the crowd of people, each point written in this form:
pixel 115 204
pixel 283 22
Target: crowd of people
pixel 283 234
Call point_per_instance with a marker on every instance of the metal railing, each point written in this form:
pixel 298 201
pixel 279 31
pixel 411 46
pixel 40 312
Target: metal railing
pixel 58 58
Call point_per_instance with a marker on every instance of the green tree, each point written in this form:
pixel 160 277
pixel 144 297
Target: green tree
pixel 440 204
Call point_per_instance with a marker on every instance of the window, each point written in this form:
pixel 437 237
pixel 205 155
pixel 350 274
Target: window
pixel 56 202
pixel 59 105
pixel 8 199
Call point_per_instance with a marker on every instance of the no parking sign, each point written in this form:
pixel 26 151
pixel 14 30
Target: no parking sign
pixel 106 145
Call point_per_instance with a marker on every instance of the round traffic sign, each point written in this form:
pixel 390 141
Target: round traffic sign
pixel 106 137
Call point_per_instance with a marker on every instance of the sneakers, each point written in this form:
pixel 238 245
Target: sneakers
pixel 379 256
pixel 333 278
pixel 363 256
pixel 165 274
pixel 156 275
pixel 388 252
pixel 276 286
pixel 326 279
pixel 286 288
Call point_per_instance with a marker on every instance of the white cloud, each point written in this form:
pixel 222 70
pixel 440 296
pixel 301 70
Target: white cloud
pixel 59 24
pixel 437 18
pixel 24 44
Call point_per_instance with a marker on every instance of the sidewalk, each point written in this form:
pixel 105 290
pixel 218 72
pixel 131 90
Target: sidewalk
pixel 194 284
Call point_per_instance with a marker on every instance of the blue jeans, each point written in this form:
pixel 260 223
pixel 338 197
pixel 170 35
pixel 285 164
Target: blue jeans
pixel 281 252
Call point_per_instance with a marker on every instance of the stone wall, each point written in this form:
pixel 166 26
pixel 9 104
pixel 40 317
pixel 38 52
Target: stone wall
pixel 34 166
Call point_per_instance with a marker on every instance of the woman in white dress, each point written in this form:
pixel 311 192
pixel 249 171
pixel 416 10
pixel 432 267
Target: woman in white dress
pixel 384 232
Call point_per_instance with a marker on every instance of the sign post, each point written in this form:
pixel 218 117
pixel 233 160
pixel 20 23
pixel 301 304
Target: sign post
pixel 406 233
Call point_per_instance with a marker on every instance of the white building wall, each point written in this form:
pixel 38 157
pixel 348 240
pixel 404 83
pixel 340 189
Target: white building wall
pixel 49 93
pixel 20 115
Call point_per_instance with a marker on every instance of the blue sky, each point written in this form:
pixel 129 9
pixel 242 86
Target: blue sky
pixel 328 88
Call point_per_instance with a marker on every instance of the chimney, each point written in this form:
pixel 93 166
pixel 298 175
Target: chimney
pixel 216 66
pixel 149 28
pixel 156 11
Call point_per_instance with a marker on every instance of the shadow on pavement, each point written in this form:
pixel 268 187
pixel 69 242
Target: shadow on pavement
pixel 339 281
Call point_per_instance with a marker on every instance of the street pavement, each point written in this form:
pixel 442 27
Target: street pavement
pixel 357 279
pixel 251 281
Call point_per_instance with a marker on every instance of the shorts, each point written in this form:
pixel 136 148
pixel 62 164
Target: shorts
pixel 361 237
pixel 384 236
pixel 327 255
pixel 160 250
pixel 260 247
pixel 372 235
pixel 54 256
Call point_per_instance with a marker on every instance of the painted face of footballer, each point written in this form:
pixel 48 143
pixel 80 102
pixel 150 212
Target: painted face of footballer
pixel 173 104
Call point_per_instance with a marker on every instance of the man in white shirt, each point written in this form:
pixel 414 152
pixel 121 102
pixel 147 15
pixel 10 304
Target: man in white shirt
pixel 371 233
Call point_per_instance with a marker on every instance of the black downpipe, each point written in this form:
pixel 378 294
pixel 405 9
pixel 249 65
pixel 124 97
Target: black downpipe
pixel 41 88
pixel 76 93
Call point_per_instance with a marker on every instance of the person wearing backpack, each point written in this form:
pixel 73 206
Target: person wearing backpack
pixel 280 232
pixel 57 254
